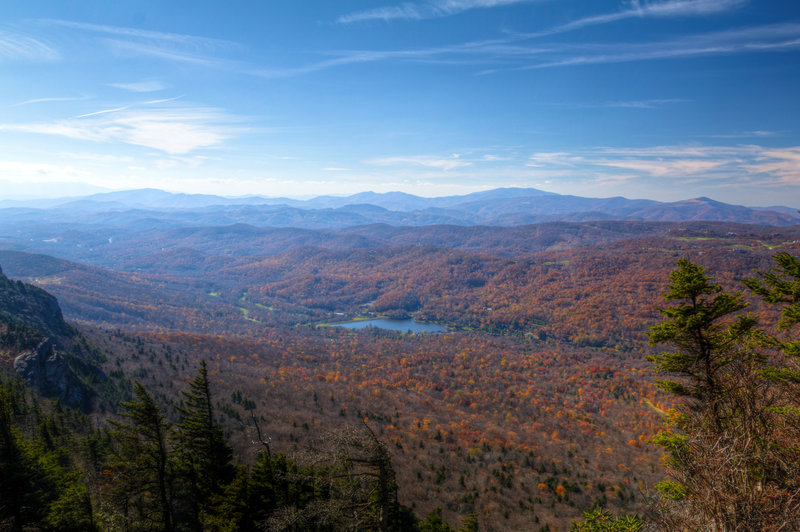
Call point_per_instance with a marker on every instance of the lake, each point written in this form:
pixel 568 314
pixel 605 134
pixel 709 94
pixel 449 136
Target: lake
pixel 408 325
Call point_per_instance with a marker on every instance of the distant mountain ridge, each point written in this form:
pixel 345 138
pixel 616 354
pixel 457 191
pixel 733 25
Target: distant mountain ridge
pixel 498 207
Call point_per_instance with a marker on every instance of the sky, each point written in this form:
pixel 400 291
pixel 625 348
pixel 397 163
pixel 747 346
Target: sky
pixel 661 99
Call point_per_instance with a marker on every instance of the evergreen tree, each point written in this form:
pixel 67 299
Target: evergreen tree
pixel 470 523
pixel 230 510
pixel 143 468
pixel 599 520
pixel 20 502
pixel 705 341
pixel 727 454
pixel 40 485
pixel 781 286
pixel 434 522
pixel 280 493
pixel 205 457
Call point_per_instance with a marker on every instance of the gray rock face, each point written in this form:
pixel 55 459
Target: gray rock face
pixel 28 304
pixel 47 369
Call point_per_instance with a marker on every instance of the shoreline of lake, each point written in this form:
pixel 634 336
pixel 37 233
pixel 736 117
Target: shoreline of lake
pixel 403 326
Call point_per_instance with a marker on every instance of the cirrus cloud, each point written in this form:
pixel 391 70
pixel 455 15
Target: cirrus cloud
pixel 423 10
pixel 174 130
pixel 17 46
pixel 445 164
pixel 743 164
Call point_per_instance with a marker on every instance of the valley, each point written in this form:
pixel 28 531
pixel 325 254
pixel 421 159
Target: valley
pixel 535 403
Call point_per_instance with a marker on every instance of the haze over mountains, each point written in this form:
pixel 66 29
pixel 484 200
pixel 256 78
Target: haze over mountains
pixel 498 207
pixel 131 229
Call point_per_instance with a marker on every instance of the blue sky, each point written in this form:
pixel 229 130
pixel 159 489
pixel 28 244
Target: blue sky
pixel 666 99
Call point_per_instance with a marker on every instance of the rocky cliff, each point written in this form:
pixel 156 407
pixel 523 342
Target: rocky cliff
pixel 49 354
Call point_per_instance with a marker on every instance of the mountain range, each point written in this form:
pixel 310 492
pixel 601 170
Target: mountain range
pixel 498 207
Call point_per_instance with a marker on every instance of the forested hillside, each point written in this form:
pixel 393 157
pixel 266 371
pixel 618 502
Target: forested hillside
pixel 536 405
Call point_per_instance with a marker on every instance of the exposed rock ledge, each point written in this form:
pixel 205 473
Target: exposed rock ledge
pixel 47 369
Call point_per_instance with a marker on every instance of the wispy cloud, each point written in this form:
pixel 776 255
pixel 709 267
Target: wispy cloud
pixel 630 104
pixel 674 8
pixel 494 158
pixel 138 49
pixel 448 163
pixel 188 41
pixel 141 86
pixel 53 99
pixel 164 45
pixel 17 46
pixel 26 172
pixel 635 9
pixel 471 53
pixel 743 164
pixel 102 112
pixel 174 130
pixel 639 9
pixel 773 37
pixel 783 163
pixel 517 51
pixel 96 157
pixel 423 10
pixel 748 134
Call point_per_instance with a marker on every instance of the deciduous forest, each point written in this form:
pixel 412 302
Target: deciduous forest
pixel 567 391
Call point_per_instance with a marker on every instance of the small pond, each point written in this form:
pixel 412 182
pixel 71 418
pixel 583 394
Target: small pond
pixel 407 325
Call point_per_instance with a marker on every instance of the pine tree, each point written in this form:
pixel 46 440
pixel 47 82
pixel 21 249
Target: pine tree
pixel 781 286
pixel 20 503
pixel 470 523
pixel 696 326
pixel 727 455
pixel 434 522
pixel 143 468
pixel 205 456
pixel 599 520
pixel 40 485
pixel 229 510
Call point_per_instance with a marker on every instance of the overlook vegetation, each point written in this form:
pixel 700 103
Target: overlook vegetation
pixel 536 406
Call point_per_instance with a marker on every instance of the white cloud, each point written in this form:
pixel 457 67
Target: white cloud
pixel 103 111
pixel 188 41
pixel 749 134
pixel 629 104
pixel 96 157
pixel 510 52
pixel 636 9
pixel 639 9
pixel 16 46
pixel 744 164
pixel 24 172
pixel 421 160
pixel 53 99
pixel 174 130
pixel 783 163
pixel 772 37
pixel 423 10
pixel 122 47
pixel 141 86
pixel 673 8
pixel 169 46
pixel 176 161
pixel 664 168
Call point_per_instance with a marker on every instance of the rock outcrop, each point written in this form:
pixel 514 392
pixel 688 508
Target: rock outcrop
pixel 30 305
pixel 49 354
pixel 48 369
